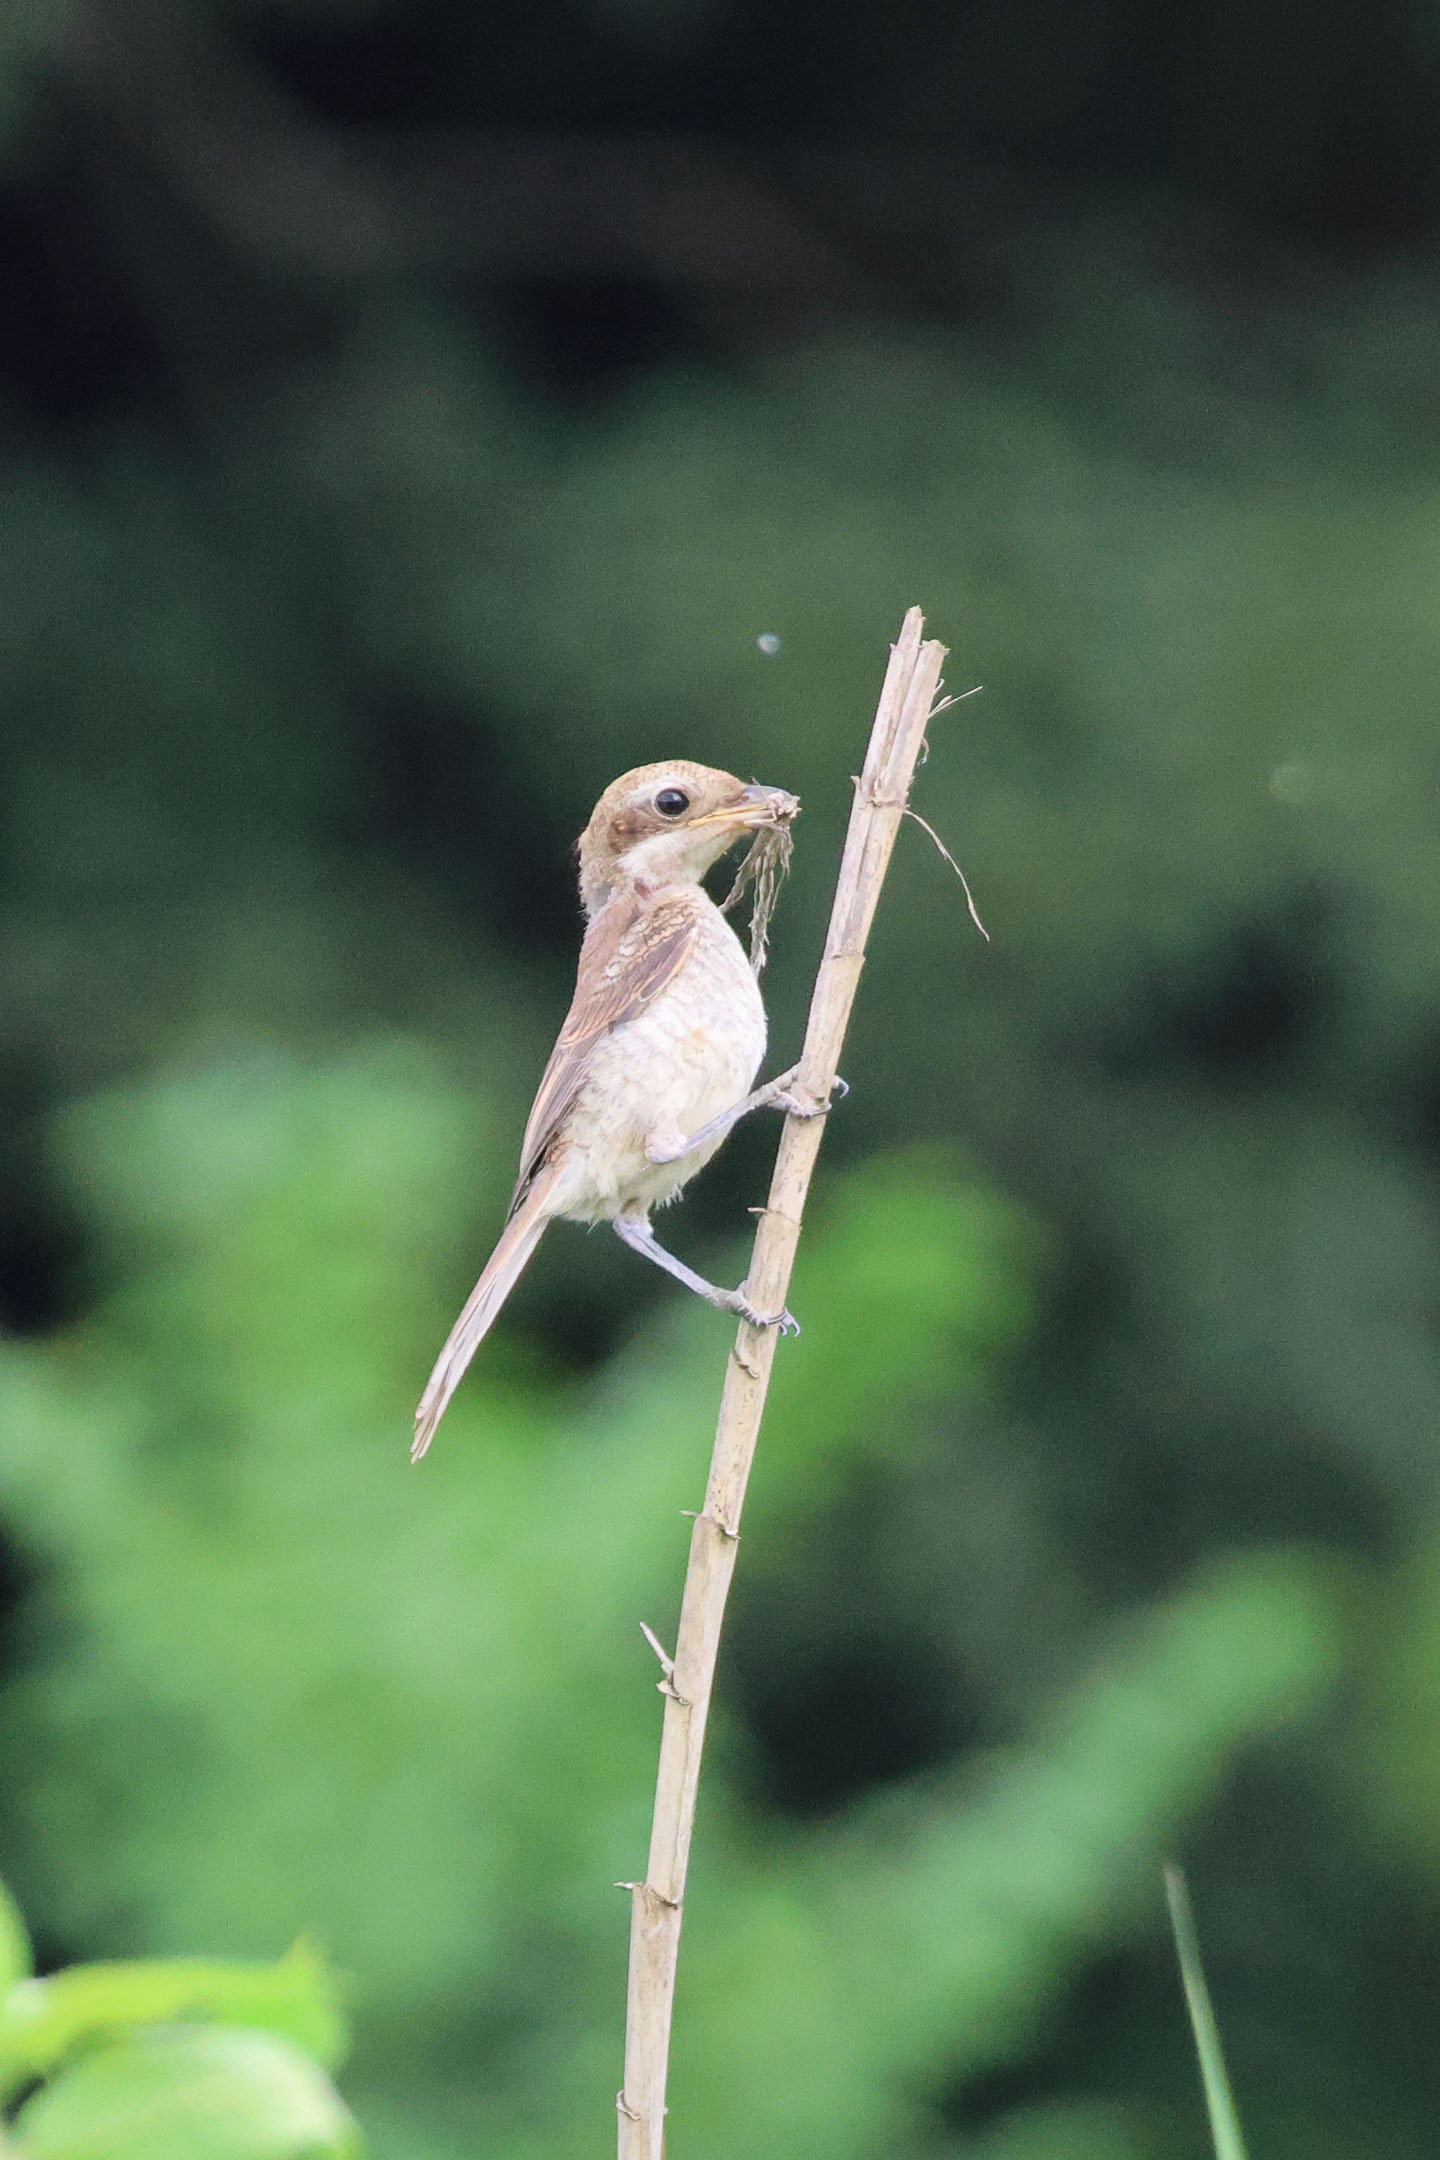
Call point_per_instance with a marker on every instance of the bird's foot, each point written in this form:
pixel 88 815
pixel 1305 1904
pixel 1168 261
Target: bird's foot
pixel 736 1301
pixel 785 1096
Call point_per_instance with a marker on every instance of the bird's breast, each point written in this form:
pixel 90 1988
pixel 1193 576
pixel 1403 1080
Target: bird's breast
pixel 658 1078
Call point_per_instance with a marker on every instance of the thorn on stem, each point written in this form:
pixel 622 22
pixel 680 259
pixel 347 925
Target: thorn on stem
pixel 667 1664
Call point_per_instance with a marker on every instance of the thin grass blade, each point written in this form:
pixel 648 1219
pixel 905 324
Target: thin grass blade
pixel 1219 2099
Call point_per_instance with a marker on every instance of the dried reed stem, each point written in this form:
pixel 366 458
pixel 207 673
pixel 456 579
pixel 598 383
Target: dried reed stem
pixel 911 683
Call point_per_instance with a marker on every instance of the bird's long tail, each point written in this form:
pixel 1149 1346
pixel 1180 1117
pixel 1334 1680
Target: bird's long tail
pixel 498 1278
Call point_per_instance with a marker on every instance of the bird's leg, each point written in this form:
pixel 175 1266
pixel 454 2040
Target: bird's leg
pixel 633 1227
pixel 774 1095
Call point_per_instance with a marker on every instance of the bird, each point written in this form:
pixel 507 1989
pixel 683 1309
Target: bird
pixel 656 1058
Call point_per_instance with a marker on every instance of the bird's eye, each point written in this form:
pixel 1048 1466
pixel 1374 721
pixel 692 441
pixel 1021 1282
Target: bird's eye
pixel 672 802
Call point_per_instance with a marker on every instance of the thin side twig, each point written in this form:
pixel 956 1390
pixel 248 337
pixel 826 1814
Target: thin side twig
pixel 926 827
pixel 907 701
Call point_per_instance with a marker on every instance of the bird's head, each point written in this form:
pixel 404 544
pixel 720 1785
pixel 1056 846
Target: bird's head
pixel 667 824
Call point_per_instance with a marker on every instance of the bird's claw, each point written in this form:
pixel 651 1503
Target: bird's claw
pixel 802 1106
pixel 784 1320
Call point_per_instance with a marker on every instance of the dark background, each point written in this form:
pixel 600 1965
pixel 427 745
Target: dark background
pixel 409 418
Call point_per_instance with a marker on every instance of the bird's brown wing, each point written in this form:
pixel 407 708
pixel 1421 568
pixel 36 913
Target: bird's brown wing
pixel 629 955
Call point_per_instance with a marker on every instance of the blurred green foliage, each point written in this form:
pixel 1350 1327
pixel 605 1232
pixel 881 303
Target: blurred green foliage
pixel 290 1681
pixel 333 594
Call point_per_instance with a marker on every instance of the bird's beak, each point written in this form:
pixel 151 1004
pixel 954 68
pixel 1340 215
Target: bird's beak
pixel 755 809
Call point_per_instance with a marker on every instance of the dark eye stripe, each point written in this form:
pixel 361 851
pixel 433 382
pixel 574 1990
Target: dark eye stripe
pixel 672 802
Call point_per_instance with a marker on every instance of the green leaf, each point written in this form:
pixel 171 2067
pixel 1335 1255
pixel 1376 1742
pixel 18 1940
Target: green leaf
pixel 190 2092
pixel 42 2020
